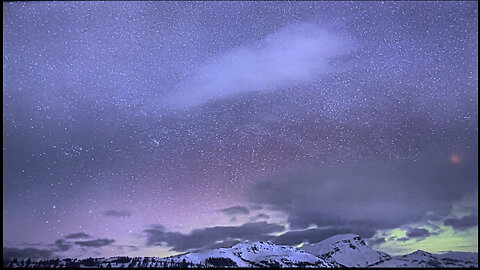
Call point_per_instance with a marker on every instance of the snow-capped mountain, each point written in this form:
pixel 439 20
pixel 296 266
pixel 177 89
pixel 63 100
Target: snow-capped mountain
pixel 462 256
pixel 418 258
pixel 422 258
pixel 259 254
pixel 348 250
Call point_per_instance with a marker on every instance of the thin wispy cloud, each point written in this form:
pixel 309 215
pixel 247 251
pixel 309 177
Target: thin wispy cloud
pixel 294 55
pixel 117 213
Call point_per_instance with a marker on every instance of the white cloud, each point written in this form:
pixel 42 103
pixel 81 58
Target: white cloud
pixel 293 55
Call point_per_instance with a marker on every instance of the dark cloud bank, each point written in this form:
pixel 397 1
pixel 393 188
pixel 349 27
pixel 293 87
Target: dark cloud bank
pixel 95 243
pixel 118 213
pixel 77 236
pixel 236 210
pixel 372 195
pixel 60 245
pixel 359 198
pixel 211 237
pixel 462 223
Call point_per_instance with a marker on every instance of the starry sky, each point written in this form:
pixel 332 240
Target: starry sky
pixel 154 128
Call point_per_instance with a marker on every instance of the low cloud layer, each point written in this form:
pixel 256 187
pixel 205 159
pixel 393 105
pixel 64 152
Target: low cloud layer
pixel 236 210
pixel 79 235
pixel 117 213
pixel 403 239
pixel 58 247
pixel 376 241
pixel 372 195
pixel 216 237
pixel 318 234
pixel 294 55
pixel 418 233
pixel 211 237
pixel 463 223
pixel 62 245
pixel 32 253
pixel 360 198
pixel 95 243
pixel 260 216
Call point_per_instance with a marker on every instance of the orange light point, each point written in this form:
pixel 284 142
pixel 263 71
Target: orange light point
pixel 455 159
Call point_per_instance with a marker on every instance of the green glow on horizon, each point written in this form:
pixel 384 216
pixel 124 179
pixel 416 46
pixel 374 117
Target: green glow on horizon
pixel 446 240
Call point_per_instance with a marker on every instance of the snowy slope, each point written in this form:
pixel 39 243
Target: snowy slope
pixel 348 250
pixel 418 258
pixel 468 257
pixel 259 254
pixel 201 257
pixel 423 259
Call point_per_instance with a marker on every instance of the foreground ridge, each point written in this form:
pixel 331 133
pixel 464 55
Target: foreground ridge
pixel 345 250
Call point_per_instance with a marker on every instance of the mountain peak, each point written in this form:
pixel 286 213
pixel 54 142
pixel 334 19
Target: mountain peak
pixel 249 242
pixel 347 249
pixel 421 251
pixel 256 244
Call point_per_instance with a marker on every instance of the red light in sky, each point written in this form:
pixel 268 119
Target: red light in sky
pixel 455 158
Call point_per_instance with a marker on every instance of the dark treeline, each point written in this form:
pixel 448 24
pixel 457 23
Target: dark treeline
pixel 117 262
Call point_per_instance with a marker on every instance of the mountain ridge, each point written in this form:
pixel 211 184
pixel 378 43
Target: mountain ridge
pixel 346 250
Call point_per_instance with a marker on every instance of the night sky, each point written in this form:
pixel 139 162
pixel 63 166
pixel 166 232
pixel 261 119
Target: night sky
pixel 153 128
